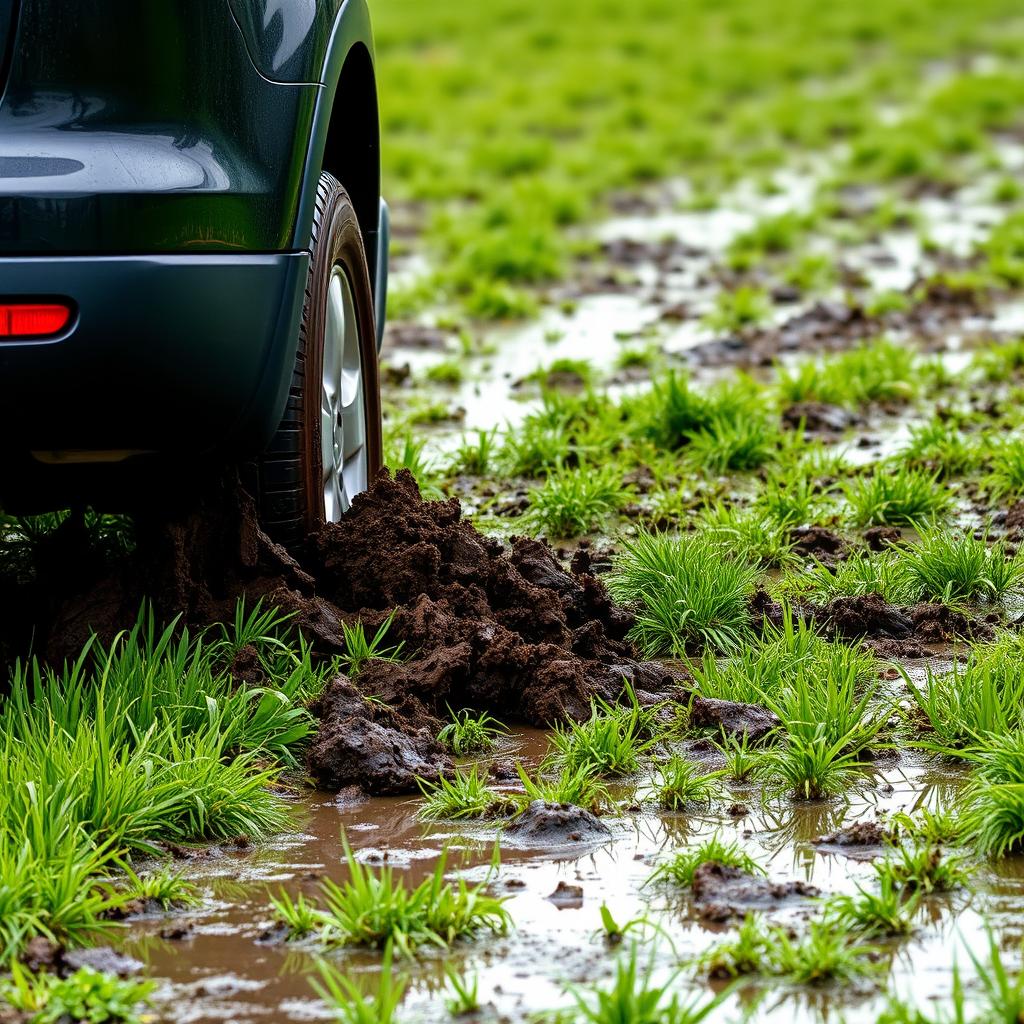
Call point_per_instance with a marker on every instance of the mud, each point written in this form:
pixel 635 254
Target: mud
pixel 732 718
pixel 542 825
pixel 486 625
pixel 869 616
pixel 820 544
pixel 861 833
pixel 819 418
pixel 721 893
pixel 361 743
pixel 42 954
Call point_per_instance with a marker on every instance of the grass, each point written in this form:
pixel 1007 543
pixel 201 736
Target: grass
pixel 747 535
pixel 168 889
pixel 981 697
pixel 945 566
pixel 610 742
pixel 821 954
pixel 350 1005
pixel 883 573
pixel 579 786
pixel 477 455
pixel 85 995
pixel 633 997
pixel 923 868
pixel 679 785
pixel 1006 478
pixel 897 496
pixel 739 309
pixel 463 794
pixel 146 739
pixel 786 660
pixel 297 915
pixel 470 733
pixel 379 908
pixel 940 447
pixel 593 108
pixel 929 828
pixel 462 993
pixel 880 371
pixel 998 995
pixel 687 591
pixel 680 868
pixel 359 649
pixel 885 913
pixel 727 445
pixel 811 767
pixel 572 502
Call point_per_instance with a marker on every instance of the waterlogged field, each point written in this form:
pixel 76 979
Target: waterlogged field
pixel 724 302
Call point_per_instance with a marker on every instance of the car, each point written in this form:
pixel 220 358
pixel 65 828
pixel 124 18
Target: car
pixel 193 254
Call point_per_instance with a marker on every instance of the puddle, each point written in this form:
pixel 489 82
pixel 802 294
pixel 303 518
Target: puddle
pixel 658 295
pixel 225 970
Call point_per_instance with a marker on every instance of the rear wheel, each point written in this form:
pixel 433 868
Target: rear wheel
pixel 328 446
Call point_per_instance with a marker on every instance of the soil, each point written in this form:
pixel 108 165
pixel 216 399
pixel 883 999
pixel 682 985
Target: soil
pixel 861 833
pixel 732 718
pixel 721 893
pixel 868 615
pixel 547 825
pixel 485 625
pixel 823 545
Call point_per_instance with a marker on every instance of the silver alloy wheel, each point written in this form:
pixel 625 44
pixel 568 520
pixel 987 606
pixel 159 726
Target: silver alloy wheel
pixel 342 403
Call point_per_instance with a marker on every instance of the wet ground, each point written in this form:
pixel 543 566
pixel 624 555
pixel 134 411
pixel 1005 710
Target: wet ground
pixel 218 964
pixel 648 286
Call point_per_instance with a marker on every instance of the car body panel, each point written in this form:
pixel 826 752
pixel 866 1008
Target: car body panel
pixel 154 171
pixel 287 39
pixel 166 352
pixel 140 143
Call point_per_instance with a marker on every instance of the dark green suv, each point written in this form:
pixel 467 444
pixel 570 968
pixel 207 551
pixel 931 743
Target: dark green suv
pixel 192 252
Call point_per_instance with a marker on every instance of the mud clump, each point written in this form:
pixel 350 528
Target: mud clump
pixel 867 615
pixel 721 893
pixel 900 631
pixel 864 840
pixel 361 742
pixel 542 824
pixel 878 538
pixel 938 623
pixel 861 833
pixel 818 418
pixel 498 627
pixel 822 545
pixel 502 628
pixel 732 718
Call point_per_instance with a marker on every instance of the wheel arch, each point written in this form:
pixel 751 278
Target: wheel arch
pixel 345 133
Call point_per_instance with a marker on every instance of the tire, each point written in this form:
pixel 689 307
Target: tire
pixel 298 490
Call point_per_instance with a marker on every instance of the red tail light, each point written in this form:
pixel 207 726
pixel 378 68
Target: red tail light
pixel 33 319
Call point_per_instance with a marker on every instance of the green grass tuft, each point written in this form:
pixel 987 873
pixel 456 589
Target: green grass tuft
pixel 687 590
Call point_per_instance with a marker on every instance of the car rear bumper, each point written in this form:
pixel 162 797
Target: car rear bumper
pixel 173 354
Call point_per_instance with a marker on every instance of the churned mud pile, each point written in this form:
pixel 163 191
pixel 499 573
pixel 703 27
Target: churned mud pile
pixel 485 625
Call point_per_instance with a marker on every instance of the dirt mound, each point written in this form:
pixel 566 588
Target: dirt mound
pixel 825 546
pixel 732 718
pixel 498 627
pixel 898 632
pixel 502 628
pixel 721 893
pixel 867 615
pixel 361 742
pixel 863 840
pixel 542 824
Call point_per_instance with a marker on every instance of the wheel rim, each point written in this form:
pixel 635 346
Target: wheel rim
pixel 342 402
